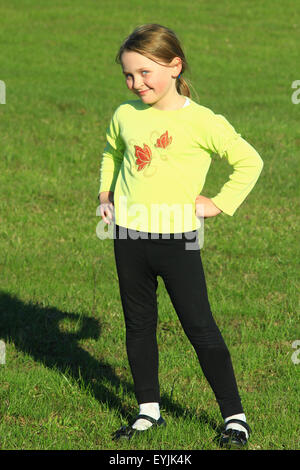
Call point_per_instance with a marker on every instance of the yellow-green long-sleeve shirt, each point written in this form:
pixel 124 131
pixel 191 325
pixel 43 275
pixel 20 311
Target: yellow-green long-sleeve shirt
pixel 156 164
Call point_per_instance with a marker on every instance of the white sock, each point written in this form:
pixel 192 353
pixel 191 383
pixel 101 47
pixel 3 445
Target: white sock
pixel 149 409
pixel 237 426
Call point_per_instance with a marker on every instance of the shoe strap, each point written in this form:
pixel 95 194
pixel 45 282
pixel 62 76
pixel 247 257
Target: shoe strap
pixel 242 423
pixel 149 418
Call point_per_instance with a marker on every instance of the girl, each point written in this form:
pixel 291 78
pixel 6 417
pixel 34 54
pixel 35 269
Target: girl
pixel 153 169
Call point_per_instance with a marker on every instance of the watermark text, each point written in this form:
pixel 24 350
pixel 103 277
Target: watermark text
pixel 2 92
pixel 2 352
pixel 295 358
pixel 296 95
pixel 158 221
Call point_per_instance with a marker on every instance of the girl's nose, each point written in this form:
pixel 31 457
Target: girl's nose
pixel 137 83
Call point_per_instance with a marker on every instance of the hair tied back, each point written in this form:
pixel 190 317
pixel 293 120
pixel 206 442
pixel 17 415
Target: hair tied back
pixel 159 44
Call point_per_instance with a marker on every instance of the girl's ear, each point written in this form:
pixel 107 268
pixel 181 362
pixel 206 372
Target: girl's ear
pixel 176 63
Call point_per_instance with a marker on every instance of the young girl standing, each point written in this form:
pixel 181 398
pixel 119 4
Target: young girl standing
pixel 154 165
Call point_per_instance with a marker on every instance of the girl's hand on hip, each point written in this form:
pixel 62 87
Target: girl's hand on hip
pixel 205 207
pixel 106 199
pixel 107 212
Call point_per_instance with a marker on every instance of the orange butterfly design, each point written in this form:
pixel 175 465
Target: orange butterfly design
pixel 143 156
pixel 163 141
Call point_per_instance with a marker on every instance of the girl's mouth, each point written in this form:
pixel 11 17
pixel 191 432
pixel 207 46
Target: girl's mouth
pixel 143 92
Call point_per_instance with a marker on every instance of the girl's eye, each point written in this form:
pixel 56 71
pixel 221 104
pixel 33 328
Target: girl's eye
pixel 143 72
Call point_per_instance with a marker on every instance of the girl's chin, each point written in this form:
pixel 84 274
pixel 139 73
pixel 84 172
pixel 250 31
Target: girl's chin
pixel 148 98
pixel 145 95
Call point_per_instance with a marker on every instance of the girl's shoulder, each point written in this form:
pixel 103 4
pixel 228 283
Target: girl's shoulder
pixel 126 107
pixel 201 109
pixel 131 105
pixel 210 116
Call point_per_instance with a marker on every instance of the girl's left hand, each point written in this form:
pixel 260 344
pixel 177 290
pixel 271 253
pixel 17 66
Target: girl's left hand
pixel 205 207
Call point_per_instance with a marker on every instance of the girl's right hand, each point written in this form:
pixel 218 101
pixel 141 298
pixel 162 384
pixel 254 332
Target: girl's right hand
pixel 106 199
pixel 107 212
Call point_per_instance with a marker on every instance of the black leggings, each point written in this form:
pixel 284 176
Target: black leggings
pixel 139 261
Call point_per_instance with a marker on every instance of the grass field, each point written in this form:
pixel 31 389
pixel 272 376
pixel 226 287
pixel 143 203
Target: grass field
pixel 66 382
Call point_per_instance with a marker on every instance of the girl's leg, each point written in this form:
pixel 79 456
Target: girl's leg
pixel 184 279
pixel 138 284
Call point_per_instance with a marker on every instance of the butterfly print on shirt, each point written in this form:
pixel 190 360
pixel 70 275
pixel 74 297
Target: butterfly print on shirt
pixel 163 141
pixel 144 155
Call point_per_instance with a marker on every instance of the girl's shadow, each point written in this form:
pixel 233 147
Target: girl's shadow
pixel 37 331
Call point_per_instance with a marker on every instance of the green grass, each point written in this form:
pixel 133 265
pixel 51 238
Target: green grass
pixel 66 382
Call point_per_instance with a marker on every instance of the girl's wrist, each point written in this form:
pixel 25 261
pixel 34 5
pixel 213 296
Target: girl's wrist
pixel 106 197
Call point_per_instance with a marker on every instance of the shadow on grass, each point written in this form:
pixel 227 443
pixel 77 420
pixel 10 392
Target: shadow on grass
pixel 36 330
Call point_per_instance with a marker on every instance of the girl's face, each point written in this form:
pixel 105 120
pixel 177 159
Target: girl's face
pixel 152 82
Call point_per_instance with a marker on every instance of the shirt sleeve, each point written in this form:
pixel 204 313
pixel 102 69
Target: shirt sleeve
pixel 222 139
pixel 112 156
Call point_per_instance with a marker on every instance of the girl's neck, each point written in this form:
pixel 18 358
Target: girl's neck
pixel 167 105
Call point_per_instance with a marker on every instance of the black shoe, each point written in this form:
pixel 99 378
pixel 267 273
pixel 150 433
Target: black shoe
pixel 126 432
pixel 233 439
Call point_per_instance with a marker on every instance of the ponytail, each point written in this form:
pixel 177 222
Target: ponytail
pixel 182 86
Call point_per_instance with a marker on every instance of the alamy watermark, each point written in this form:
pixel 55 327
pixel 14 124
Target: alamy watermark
pixel 2 352
pixel 295 358
pixel 2 92
pixel 160 215
pixel 296 95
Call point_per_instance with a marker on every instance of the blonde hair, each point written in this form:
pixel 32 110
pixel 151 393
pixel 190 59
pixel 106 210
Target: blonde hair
pixel 158 43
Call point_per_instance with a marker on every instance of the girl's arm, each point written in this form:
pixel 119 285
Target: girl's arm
pixel 221 138
pixel 247 166
pixel 111 162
